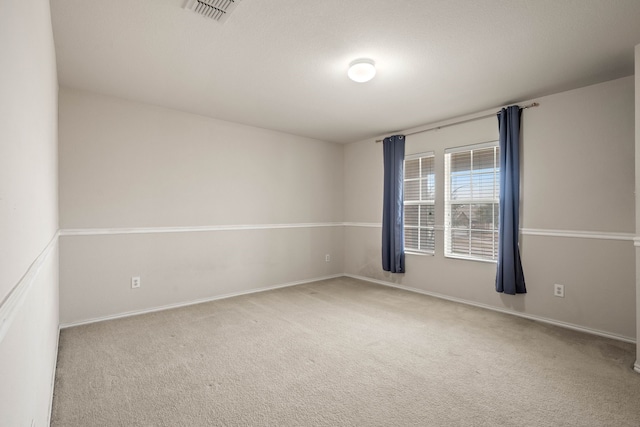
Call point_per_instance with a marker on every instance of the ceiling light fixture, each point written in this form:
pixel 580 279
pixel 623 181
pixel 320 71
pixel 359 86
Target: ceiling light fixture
pixel 362 70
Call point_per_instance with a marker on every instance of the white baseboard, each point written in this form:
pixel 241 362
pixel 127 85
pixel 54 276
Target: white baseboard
pixel 367 279
pixel 53 375
pixel 503 310
pixel 636 366
pixel 198 301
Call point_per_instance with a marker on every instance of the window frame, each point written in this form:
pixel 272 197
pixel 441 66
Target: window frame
pixel 420 202
pixel 448 202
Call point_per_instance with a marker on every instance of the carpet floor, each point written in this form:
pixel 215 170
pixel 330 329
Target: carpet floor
pixel 340 352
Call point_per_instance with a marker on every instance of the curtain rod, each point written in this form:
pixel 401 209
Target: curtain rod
pixel 535 104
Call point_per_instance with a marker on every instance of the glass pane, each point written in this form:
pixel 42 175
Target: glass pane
pixel 411 238
pixel 461 162
pixel 432 183
pixel 460 216
pixel 411 215
pixel 427 166
pixel 412 190
pixel 412 168
pixel 482 216
pixel 460 186
pixel 460 242
pixel 483 186
pixel 428 189
pixel 496 216
pixel 427 216
pixel 482 243
pixel 426 240
pixel 483 160
pixel 428 183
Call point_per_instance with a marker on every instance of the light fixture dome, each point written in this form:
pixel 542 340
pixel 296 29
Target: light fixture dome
pixel 362 70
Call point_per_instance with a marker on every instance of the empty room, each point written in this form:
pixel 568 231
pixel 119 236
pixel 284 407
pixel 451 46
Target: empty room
pixel 319 213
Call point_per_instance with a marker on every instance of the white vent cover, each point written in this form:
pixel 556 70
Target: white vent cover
pixel 218 10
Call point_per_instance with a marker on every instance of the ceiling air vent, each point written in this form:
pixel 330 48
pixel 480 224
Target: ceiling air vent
pixel 218 10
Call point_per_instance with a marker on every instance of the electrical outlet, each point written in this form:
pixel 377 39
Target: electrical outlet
pixel 135 282
pixel 327 258
pixel 558 290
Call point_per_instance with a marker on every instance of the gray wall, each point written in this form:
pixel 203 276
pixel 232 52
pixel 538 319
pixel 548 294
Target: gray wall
pixel 132 174
pixel 254 208
pixel 28 213
pixel 577 212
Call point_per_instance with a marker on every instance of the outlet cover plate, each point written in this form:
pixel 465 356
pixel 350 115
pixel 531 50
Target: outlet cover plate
pixel 558 290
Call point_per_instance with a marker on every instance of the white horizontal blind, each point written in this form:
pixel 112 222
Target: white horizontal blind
pixel 419 200
pixel 472 191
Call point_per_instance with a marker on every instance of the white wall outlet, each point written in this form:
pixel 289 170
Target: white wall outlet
pixel 327 258
pixel 558 290
pixel 135 282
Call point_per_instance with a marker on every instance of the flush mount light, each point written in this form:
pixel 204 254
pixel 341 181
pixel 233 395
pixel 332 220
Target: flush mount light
pixel 362 70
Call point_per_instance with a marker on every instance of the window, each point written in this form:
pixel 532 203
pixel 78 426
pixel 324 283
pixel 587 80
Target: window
pixel 472 191
pixel 419 199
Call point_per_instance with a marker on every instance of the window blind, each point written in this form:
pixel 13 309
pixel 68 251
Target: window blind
pixel 471 201
pixel 419 201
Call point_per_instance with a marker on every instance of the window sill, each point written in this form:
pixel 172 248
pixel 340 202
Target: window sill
pixel 419 253
pixel 486 261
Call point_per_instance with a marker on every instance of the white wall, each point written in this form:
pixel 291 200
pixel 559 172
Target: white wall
pixel 268 203
pixel 28 213
pixel 637 182
pixel 578 177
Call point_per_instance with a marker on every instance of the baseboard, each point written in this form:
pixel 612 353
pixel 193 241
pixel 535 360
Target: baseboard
pixel 53 375
pixel 198 301
pixel 367 279
pixel 636 366
pixel 501 310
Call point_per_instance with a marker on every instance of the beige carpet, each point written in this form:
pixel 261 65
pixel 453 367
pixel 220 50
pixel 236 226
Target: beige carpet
pixel 340 353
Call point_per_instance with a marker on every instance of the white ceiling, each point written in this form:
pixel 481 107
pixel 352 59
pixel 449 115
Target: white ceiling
pixel 281 64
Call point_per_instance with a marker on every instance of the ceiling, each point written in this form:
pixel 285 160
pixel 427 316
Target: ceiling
pixel 281 64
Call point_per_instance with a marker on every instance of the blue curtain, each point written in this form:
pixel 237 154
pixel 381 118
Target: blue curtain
pixel 510 277
pixel 393 206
